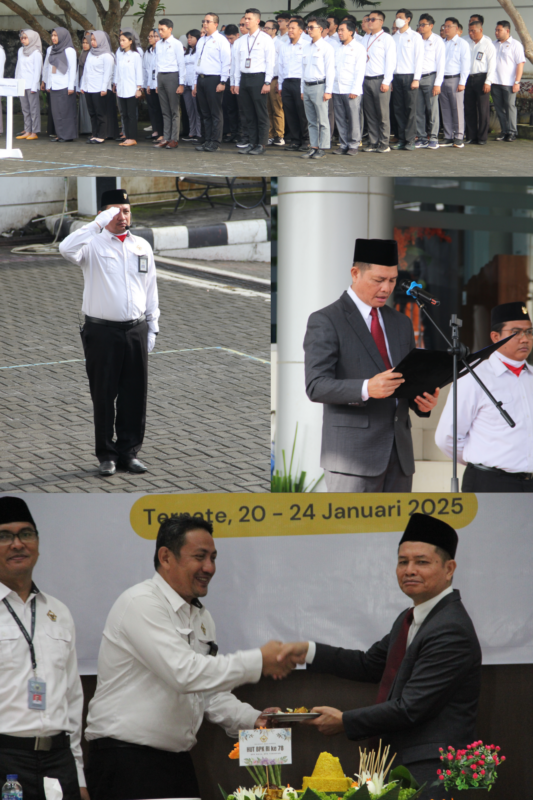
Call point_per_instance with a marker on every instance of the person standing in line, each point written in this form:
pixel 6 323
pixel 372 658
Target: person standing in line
pixel 452 95
pixel 230 104
pixel 191 102
pixel 333 42
pixel 29 68
pixel 478 84
pixel 510 60
pixel 350 62
pixel 380 66
pixel 96 80
pixel 333 30
pixel 170 67
pixel 84 118
pixel 61 71
pixel 127 83
pixel 150 86
pixel 283 20
pixel 427 113
pixel 290 86
pixel 213 65
pixel 318 75
pixel 274 101
pixel 406 82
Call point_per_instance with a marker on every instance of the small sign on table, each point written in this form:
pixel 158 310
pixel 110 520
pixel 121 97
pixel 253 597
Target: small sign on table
pixel 265 747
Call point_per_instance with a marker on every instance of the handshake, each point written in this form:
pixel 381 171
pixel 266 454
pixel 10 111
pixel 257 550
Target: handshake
pixel 280 659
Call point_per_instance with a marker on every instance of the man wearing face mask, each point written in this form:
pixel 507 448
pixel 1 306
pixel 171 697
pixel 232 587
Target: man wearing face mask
pixel 120 304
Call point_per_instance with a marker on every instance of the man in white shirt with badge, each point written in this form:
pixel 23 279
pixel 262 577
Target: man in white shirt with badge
pixel 380 66
pixel 283 20
pixel 212 71
pixel 318 74
pixel 41 698
pixel 170 65
pixel 510 60
pixel 290 87
pixel 427 112
pixel 160 674
pixel 498 458
pixel 276 114
pixel 452 94
pixel 121 308
pixel 409 58
pixel 350 62
pixel 478 85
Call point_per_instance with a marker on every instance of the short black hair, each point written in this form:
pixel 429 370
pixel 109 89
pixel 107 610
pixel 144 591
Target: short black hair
pixel 504 23
pixel 299 21
pixel 173 531
pixel 320 21
pixel 333 17
pixel 498 328
pixel 283 15
pixel 167 22
pixel 131 37
pixel 453 20
pixel 274 23
pixel 349 18
pixel 428 18
pixel 478 17
pixel 231 30
pixel 408 14
pixel 211 14
pixel 476 24
pixel 253 11
pixel 349 24
pixel 443 554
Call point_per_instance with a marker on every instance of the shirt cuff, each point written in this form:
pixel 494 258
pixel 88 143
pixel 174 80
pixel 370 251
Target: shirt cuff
pixel 253 665
pixel 364 392
pixel 311 653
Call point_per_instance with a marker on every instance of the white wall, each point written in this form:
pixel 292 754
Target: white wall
pixel 23 199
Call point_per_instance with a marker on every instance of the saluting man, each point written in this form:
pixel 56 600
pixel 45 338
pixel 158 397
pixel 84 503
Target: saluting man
pixel 121 309
pixel 498 458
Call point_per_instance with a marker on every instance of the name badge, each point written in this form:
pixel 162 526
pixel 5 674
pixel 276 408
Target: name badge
pixel 143 263
pixel 479 57
pixel 153 74
pixel 37 694
pixel 248 63
pixel 199 61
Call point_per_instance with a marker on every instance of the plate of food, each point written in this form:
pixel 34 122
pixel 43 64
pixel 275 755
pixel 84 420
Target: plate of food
pixel 292 715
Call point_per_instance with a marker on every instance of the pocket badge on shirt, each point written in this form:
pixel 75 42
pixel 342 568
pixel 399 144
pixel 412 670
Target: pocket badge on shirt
pixel 479 57
pixel 248 63
pixel 37 694
pixel 143 263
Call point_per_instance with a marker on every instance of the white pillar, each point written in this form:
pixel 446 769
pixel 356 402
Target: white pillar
pixel 319 220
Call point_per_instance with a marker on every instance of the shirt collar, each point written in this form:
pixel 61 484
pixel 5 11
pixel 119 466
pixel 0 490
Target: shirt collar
pixel 113 236
pixel 361 305
pixel 455 38
pixel 497 361
pixel 422 610
pixel 176 601
pixel 5 591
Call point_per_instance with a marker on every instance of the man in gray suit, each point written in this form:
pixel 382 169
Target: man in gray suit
pixel 350 348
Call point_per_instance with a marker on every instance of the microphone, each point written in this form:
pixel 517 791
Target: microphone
pixel 416 291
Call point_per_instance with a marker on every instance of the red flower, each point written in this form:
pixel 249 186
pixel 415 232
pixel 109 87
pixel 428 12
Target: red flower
pixel 498 749
pixel 475 776
pixel 441 777
pixel 503 758
pixel 450 747
pixel 439 772
pixel 450 757
pixel 448 772
pixel 482 771
pixel 463 772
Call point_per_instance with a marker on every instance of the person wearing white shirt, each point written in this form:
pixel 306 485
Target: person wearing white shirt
pixel 350 62
pixel 213 64
pixel 95 82
pixel 290 86
pixel 427 116
pixel 150 87
pixel 409 58
pixel 380 66
pixel 121 308
pixel 127 83
pixel 41 698
pixel 318 75
pixel 498 458
pixel 510 60
pixel 478 84
pixel 170 67
pixel 230 103
pixel 61 71
pixel 452 94
pixel 332 32
pixel 254 70
pixel 283 20
pixel 28 69
pixel 191 101
pixel 274 103
pixel 2 66
pixel 160 673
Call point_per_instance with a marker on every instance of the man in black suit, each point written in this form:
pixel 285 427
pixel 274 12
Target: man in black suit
pixel 428 666
pixel 351 347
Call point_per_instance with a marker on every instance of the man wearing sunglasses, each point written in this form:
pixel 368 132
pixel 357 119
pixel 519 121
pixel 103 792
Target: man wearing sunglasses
pixel 498 458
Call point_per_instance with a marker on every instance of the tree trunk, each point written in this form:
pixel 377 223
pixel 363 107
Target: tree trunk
pixel 148 21
pixel 520 25
pixel 29 19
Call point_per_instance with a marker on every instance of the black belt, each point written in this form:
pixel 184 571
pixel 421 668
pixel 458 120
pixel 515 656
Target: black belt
pixel 61 741
pixel 427 74
pixel 131 323
pixel 314 83
pixel 292 79
pixel 209 76
pixel 106 743
pixel 373 77
pixel 521 476
pixel 453 76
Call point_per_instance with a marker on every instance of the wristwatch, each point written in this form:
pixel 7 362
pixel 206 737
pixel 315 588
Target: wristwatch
pixel 267 83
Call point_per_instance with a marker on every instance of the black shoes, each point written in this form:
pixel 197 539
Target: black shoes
pixel 107 468
pixel 510 137
pixel 132 465
pixel 258 150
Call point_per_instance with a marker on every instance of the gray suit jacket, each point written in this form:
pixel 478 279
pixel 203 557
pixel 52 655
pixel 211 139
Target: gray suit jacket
pixel 340 354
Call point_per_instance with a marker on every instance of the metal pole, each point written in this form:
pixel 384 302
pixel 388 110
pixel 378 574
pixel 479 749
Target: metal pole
pixel 455 344
pixel 9 124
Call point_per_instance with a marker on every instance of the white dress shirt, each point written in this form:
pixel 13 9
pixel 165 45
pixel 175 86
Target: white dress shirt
pixel 350 62
pixel 156 680
pixel 483 58
pixel 509 55
pixel 213 56
pixel 277 47
pixel 457 58
pixel 29 69
pixel 409 53
pixel 483 436
pixel 114 289
pixel 434 57
pixel 190 68
pixel 97 72
pixel 169 56
pixel 381 55
pixel 128 75
pixel 57 80
pixel 334 38
pixel 259 48
pixel 290 61
pixel 149 69
pixel 318 63
pixel 55 653
pixel 234 59
pixel 366 313
pixel 306 39
pixel 284 39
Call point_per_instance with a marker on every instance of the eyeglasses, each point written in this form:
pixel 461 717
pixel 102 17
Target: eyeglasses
pixel 520 332
pixel 313 27
pixel 24 537
pixel 423 24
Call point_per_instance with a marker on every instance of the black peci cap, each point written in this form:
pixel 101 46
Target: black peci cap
pixel 14 509
pixel 376 251
pixel 114 196
pixel 508 312
pixel 423 528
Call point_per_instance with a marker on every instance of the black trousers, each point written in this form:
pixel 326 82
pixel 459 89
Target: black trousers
pixel 32 766
pixel 254 108
pixel 113 129
pixel 477 108
pixel 136 773
pixel 478 480
pixel 230 109
pixel 128 109
pixel 97 106
pixel 404 101
pixel 154 110
pixel 209 103
pixel 293 107
pixel 116 361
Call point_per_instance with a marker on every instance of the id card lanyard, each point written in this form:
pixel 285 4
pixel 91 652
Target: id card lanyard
pixel 248 62
pixel 36 687
pixel 203 48
pixel 370 45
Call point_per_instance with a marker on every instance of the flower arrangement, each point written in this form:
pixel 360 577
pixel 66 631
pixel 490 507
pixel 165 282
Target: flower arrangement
pixel 473 768
pixel 262 771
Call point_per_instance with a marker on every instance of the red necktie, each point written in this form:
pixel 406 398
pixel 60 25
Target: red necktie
pixel 395 658
pixel 516 370
pixel 379 337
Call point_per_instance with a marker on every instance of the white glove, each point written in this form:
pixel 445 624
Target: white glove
pixel 151 341
pixel 104 217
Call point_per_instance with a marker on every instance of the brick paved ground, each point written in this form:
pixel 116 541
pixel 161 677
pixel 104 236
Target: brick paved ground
pixel 208 410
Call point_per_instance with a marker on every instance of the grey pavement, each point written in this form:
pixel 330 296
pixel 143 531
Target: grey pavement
pixel 208 407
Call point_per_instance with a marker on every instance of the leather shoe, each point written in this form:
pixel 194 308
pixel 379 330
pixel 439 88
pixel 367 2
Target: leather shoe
pixel 161 144
pixel 107 468
pixel 309 153
pixel 171 144
pixel 247 148
pixel 132 465
pixel 201 147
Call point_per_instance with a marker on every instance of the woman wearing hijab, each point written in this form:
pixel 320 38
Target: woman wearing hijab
pixel 96 82
pixel 84 118
pixel 128 82
pixel 29 66
pixel 150 85
pixel 61 76
pixel 190 57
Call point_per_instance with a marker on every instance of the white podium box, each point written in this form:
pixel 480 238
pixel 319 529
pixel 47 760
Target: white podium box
pixel 10 88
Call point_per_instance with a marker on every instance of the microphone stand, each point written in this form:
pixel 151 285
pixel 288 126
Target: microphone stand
pixel 459 352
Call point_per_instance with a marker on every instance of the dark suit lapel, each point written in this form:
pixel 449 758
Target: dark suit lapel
pixel 356 321
pixel 391 332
